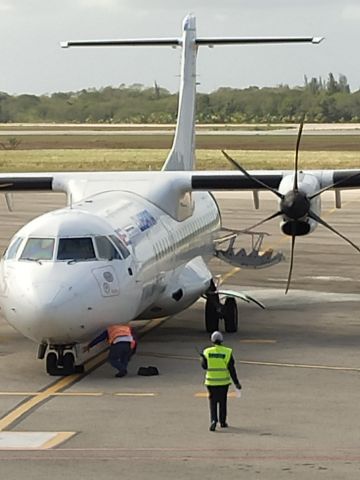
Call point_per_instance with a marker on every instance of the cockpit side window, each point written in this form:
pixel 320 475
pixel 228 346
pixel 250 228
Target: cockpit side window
pixel 13 248
pixel 81 248
pixel 38 249
pixel 106 249
pixel 123 249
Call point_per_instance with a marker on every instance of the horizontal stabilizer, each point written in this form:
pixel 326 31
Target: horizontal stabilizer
pixel 141 42
pixel 175 42
pixel 254 40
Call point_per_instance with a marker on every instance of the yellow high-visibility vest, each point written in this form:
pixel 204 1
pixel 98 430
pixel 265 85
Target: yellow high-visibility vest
pixel 217 372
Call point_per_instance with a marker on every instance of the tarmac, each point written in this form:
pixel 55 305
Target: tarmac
pixel 298 362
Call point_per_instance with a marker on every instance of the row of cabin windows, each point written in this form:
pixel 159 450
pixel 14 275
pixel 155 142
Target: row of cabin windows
pixel 69 249
pixel 189 231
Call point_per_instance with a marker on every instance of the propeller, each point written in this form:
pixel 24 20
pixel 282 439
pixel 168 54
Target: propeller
pixel 295 205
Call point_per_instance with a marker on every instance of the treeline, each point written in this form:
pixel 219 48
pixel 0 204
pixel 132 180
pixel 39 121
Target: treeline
pixel 319 100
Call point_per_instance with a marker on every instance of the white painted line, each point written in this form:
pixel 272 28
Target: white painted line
pixel 32 440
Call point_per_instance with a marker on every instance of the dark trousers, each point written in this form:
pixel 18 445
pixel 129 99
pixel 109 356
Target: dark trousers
pixel 119 356
pixel 218 396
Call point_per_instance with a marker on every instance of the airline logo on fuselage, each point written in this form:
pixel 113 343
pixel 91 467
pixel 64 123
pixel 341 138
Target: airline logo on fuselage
pixel 144 220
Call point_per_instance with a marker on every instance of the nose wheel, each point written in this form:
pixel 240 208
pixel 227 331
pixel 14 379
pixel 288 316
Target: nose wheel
pixel 60 361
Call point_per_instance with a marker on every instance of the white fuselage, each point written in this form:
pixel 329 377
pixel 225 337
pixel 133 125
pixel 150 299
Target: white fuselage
pixel 161 270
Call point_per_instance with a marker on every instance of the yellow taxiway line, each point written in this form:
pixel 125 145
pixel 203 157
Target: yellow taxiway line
pixel 261 363
pixel 206 395
pixel 41 396
pixel 57 394
pixel 65 382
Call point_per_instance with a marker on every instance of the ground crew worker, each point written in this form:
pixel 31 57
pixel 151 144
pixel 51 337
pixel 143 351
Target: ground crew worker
pixel 122 346
pixel 219 364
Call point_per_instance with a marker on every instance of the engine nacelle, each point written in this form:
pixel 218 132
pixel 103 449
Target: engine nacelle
pixel 308 184
pixel 298 227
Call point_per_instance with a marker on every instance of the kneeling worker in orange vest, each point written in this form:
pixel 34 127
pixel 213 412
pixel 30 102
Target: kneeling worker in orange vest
pixel 122 346
pixel 218 361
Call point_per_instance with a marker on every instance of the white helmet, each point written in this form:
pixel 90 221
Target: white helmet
pixel 216 337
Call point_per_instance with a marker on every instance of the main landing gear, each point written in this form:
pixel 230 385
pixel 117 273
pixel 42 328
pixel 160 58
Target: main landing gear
pixel 215 311
pixel 60 359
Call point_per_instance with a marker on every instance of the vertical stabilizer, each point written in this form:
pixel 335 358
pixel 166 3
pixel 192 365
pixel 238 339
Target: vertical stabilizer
pixel 182 153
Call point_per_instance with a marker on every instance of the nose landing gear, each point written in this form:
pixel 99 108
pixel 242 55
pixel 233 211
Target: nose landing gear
pixel 60 360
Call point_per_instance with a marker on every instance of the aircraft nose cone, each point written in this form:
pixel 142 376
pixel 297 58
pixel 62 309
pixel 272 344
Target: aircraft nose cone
pixel 49 309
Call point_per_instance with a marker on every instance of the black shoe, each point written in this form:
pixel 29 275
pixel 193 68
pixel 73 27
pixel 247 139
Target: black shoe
pixel 120 374
pixel 212 427
pixel 223 425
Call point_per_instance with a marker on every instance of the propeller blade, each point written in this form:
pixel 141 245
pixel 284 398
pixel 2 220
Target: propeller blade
pixel 334 185
pixel 297 154
pixel 291 263
pixel 325 224
pixel 265 220
pixel 251 177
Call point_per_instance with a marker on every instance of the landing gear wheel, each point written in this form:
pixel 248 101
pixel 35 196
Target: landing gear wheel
pixel 68 363
pixel 60 361
pixel 230 314
pixel 211 316
pixel 51 363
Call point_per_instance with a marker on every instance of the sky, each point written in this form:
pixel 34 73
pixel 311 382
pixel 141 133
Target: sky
pixel 33 62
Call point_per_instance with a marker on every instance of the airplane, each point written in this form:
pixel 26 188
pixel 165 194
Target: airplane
pixel 135 245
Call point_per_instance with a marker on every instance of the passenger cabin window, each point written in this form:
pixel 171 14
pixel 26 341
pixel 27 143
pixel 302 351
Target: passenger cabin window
pixel 38 249
pixel 13 248
pixel 106 249
pixel 76 249
pixel 123 249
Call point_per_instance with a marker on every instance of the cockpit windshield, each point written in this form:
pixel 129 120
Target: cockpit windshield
pixel 38 249
pixel 106 249
pixel 81 248
pixel 13 249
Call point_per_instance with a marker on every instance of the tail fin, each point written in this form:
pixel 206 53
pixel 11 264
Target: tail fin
pixel 182 153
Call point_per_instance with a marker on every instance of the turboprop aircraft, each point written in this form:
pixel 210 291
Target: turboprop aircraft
pixel 135 245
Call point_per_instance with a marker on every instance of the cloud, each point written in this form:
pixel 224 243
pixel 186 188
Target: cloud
pixel 101 4
pixel 5 7
pixel 351 12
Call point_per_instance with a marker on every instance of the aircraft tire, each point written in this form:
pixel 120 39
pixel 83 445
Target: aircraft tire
pixel 211 317
pixel 51 364
pixel 68 364
pixel 230 313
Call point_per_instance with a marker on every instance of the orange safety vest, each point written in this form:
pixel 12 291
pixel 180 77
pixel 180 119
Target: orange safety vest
pixel 115 331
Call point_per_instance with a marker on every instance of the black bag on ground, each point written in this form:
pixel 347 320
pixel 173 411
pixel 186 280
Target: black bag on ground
pixel 148 371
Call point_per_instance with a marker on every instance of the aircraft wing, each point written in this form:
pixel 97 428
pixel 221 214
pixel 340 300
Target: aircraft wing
pixel 232 180
pixel 87 183
pixel 26 181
